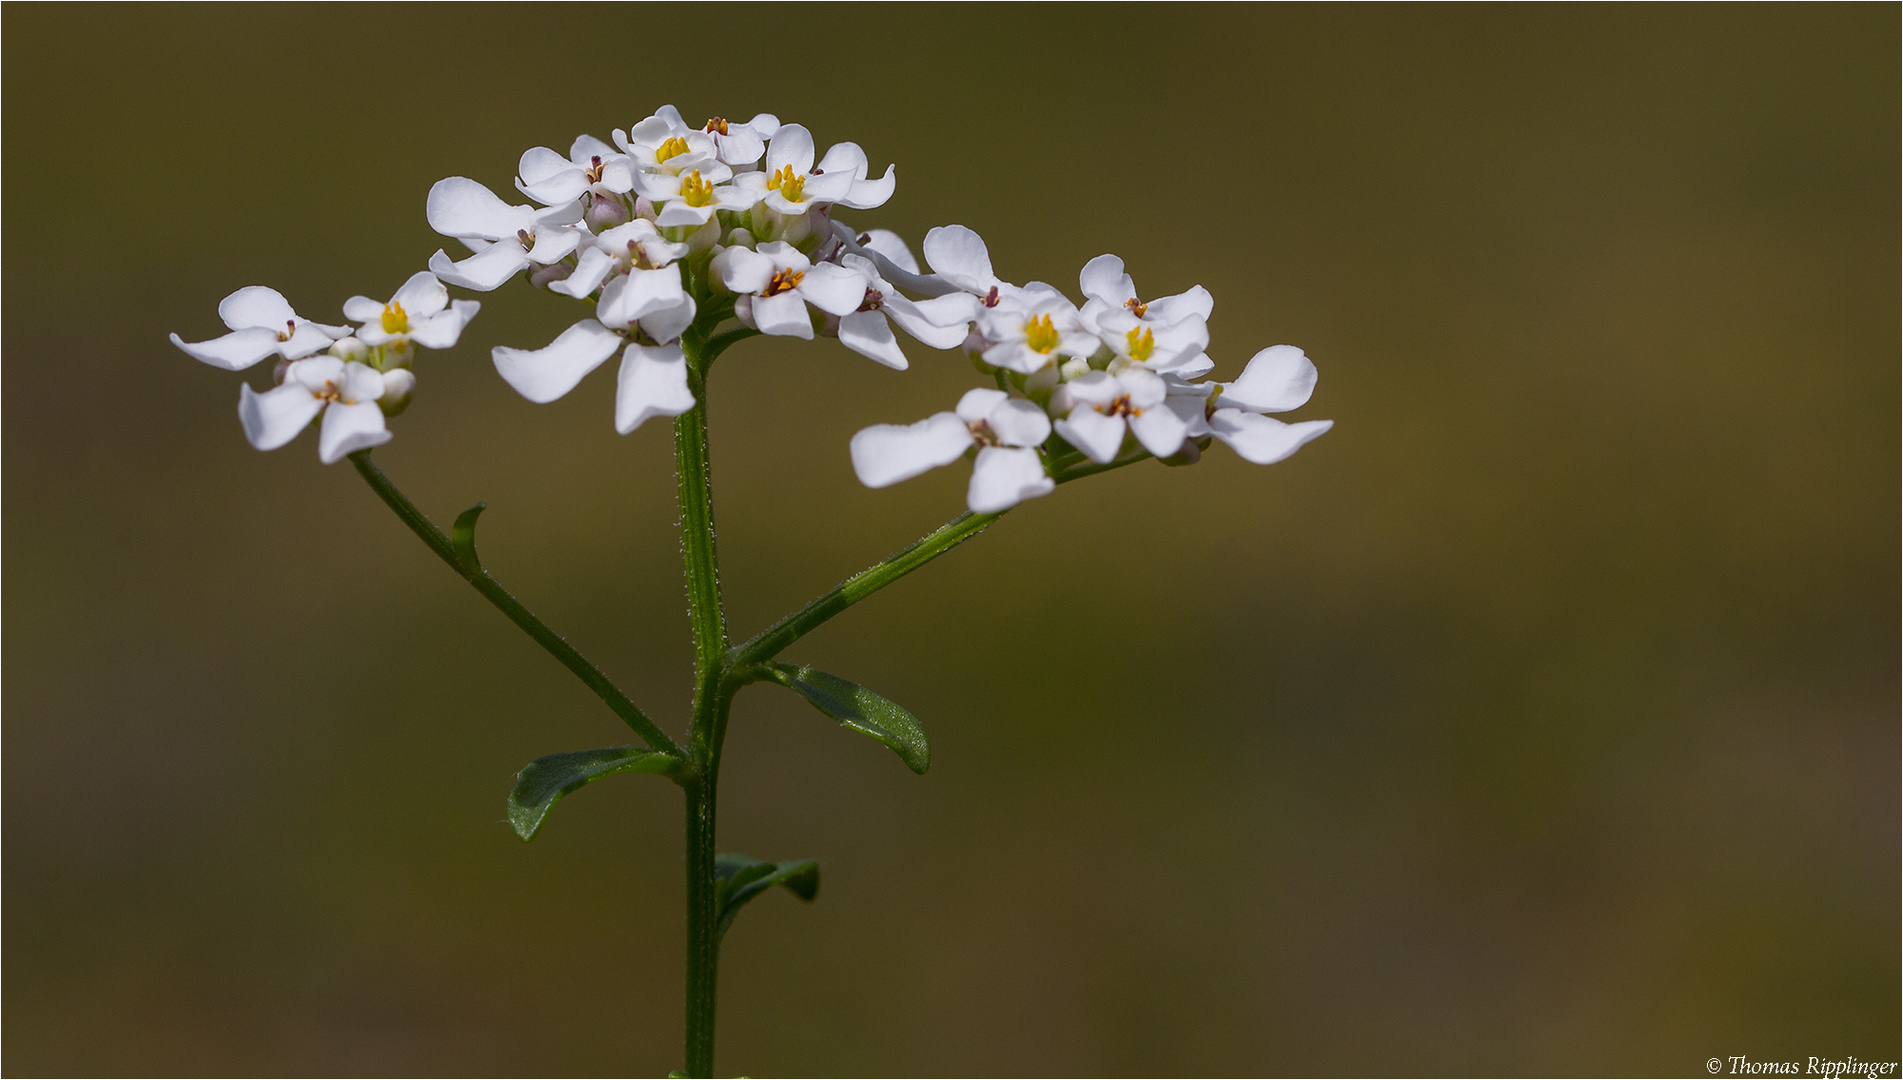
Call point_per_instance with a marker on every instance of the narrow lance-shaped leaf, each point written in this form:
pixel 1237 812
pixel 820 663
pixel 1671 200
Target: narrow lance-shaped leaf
pixel 546 779
pixel 462 537
pixel 740 878
pixel 860 709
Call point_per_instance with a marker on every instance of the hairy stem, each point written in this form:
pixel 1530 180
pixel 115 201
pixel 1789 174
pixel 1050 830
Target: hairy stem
pixel 492 590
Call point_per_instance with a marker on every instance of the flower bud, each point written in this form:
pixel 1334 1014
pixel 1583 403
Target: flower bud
pixel 543 276
pixel 397 387
pixel 740 238
pixel 348 349
pixel 605 212
pixel 1044 378
pixel 643 208
pixel 1074 368
pixel 705 237
pixel 975 343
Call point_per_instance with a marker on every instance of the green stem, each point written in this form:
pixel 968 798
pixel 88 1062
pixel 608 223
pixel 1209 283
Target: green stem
pixel 492 590
pixel 695 491
pixel 768 643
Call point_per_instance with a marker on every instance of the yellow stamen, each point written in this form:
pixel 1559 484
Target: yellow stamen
pixel 696 191
pixel 394 319
pixel 783 281
pixel 674 147
pixel 790 186
pixel 1120 407
pixel 1040 334
pixel 1137 307
pixel 1142 344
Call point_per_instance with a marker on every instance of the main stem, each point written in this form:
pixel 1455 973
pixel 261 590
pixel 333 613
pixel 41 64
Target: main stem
pixel 711 697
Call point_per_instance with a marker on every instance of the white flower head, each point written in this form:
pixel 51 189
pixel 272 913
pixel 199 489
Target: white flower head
pixel 1277 379
pixel 1006 432
pixel 1100 408
pixel 262 324
pixel 346 393
pixel 420 314
pixel 506 239
pixel 1166 335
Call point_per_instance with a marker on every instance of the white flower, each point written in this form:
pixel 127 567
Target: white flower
pixel 506 239
pixel 262 323
pixel 419 313
pixel 867 331
pixel 346 393
pixel 691 198
pixel 738 144
pixel 1101 407
pixel 1163 335
pixel 1005 430
pixel 776 283
pixel 665 143
pixel 554 180
pixel 1277 379
pixel 652 382
pixel 790 185
pixel 642 275
pixel 1028 328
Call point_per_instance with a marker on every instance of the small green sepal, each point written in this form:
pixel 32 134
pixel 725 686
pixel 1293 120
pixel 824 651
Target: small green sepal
pixel 543 782
pixel 462 537
pixel 859 709
pixel 740 878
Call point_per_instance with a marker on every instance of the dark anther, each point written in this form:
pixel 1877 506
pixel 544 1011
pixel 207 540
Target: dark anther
pixel 874 300
pixel 991 298
pixel 864 239
pixel 525 238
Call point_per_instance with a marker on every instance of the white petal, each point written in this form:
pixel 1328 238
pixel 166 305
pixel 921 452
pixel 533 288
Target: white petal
pixel 1146 388
pixel 742 271
pixel 953 309
pixel 885 454
pixel 958 255
pixel 556 190
pixel 485 271
pixel 642 292
pixel 1261 439
pixel 978 403
pixel 360 383
pixel 1277 379
pixel 553 244
pixel 1019 423
pixel 677 212
pixel 653 382
pixel 422 295
pixel 892 246
pixel 669 323
pixel 906 313
pixel 458 206
pixel 868 334
pixel 441 330
pixel 784 315
pixel 348 429
pixel 871 194
pixel 1160 430
pixel 257 307
pixel 1002 478
pixel 544 374
pixel 1190 411
pixel 1194 303
pixel 845 157
pixel 362 309
pixel 591 267
pixel 274 417
pixel 319 373
pixel 791 145
pixel 1103 280
pixel 540 163
pixel 234 351
pixel 1096 387
pixel 307 339
pixel 833 289
pixel 1097 435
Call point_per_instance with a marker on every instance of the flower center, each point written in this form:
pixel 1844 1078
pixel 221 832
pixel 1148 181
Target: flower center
pixel 1120 407
pixel 716 126
pixel 673 147
pixel 696 191
pixel 525 238
pixel 1040 334
pixel 783 281
pixel 395 320
pixel 1142 344
pixel 874 300
pixel 981 431
pixel 1137 307
pixel 790 186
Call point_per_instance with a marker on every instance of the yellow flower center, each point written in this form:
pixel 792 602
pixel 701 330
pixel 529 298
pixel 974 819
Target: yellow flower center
pixel 790 186
pixel 1040 334
pixel 696 191
pixel 394 319
pixel 1120 407
pixel 674 147
pixel 783 281
pixel 1142 344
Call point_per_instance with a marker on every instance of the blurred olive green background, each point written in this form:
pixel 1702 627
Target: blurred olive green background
pixel 1541 718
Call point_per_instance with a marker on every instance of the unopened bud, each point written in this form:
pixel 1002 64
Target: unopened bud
pixel 397 387
pixel 348 349
pixel 1044 378
pixel 1073 368
pixel 705 237
pixel 975 343
pixel 739 238
pixel 643 208
pixel 543 276
pixel 605 212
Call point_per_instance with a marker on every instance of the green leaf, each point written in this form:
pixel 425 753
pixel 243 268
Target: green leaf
pixel 462 537
pixel 860 709
pixel 740 878
pixel 546 779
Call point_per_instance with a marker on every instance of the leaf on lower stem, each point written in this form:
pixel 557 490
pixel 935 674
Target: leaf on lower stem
pixel 861 710
pixel 740 878
pixel 543 782
pixel 462 537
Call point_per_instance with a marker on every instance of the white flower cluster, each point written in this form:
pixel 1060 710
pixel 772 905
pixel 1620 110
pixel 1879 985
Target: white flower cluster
pixel 674 228
pixel 353 379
